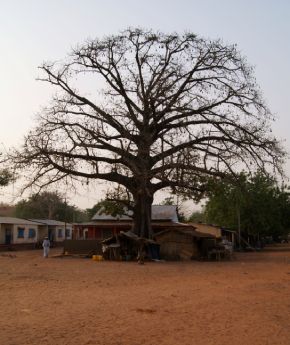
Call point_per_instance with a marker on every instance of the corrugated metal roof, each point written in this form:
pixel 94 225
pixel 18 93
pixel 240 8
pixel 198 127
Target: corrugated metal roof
pixel 51 222
pixel 159 212
pixel 167 212
pixel 187 231
pixel 110 223
pixel 207 228
pixel 170 224
pixel 103 216
pixel 118 223
pixel 203 226
pixel 12 220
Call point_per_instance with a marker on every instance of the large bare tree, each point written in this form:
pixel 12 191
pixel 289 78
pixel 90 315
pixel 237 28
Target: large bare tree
pixel 148 111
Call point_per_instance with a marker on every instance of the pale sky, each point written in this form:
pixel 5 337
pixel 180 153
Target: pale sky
pixel 33 31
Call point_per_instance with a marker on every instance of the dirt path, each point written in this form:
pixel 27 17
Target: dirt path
pixel 79 301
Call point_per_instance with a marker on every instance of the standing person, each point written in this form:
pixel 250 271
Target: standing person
pixel 45 245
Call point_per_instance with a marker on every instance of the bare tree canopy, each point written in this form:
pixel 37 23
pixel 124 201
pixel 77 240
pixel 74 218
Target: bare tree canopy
pixel 167 111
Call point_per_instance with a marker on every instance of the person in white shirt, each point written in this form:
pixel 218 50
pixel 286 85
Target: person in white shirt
pixel 45 245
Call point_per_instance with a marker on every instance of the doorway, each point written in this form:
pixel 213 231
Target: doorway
pixel 8 236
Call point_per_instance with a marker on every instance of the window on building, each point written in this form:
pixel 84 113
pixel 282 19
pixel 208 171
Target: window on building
pixel 31 233
pixel 67 233
pixel 59 234
pixel 20 232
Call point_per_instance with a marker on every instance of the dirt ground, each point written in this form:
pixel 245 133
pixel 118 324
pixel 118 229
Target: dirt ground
pixel 78 301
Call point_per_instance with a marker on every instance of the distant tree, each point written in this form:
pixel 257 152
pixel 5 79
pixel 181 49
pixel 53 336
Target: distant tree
pixel 168 201
pixel 196 217
pixel 48 205
pixel 119 207
pixel 173 111
pixel 117 202
pixel 6 210
pixel 5 177
pixel 109 207
pixel 263 207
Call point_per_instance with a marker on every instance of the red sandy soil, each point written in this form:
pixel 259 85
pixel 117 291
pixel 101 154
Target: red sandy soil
pixel 77 301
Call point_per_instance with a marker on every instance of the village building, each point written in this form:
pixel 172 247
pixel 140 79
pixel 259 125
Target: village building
pixel 103 226
pixel 176 241
pixel 208 229
pixel 216 231
pixel 184 243
pixel 18 232
pixel 55 230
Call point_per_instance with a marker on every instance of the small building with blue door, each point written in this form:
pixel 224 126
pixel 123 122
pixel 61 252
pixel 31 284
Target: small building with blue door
pixel 16 231
pixel 55 230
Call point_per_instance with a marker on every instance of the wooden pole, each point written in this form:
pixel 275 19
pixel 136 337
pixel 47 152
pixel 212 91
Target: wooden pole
pixel 239 225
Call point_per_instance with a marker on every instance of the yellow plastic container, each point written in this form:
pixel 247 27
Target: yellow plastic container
pixel 97 257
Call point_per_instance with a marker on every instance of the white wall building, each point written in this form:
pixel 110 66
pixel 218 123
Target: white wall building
pixel 55 230
pixel 18 231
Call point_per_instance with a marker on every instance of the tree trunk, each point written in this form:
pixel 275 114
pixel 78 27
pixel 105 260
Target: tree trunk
pixel 142 215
